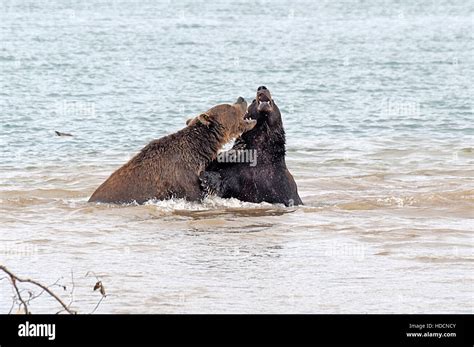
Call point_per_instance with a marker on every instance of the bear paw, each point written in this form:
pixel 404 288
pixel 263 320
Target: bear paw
pixel 211 182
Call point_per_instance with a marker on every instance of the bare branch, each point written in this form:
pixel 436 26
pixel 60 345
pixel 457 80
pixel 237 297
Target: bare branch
pixel 42 291
pixel 73 287
pixel 18 293
pixel 23 303
pixel 96 306
pixel 14 279
pixel 13 305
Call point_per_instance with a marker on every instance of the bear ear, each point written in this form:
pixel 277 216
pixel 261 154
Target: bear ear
pixel 205 119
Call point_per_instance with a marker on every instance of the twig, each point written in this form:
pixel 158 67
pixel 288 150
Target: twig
pixel 13 305
pixel 96 306
pixel 15 278
pixel 98 286
pixel 13 299
pixel 42 291
pixel 73 287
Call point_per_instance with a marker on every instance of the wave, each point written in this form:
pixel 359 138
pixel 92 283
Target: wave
pixel 459 200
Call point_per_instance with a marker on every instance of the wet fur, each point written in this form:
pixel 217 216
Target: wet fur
pixel 270 180
pixel 170 167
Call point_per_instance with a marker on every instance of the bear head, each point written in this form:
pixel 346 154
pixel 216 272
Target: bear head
pixel 229 120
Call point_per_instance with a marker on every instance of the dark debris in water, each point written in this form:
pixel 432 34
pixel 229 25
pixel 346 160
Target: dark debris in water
pixel 260 212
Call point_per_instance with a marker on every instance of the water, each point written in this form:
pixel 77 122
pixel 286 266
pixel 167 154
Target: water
pixel 377 104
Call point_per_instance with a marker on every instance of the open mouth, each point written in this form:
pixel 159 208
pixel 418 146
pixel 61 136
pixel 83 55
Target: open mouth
pixel 263 98
pixel 247 118
pixel 248 123
pixel 264 102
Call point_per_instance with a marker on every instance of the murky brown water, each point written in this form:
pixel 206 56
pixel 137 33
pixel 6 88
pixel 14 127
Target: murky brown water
pixel 388 240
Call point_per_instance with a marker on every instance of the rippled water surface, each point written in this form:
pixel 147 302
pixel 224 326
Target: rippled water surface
pixel 376 99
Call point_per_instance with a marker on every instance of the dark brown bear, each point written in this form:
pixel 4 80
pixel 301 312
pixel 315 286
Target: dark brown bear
pixel 170 167
pixel 267 179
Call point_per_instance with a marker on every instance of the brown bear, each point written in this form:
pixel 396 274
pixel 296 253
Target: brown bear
pixel 265 179
pixel 170 166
